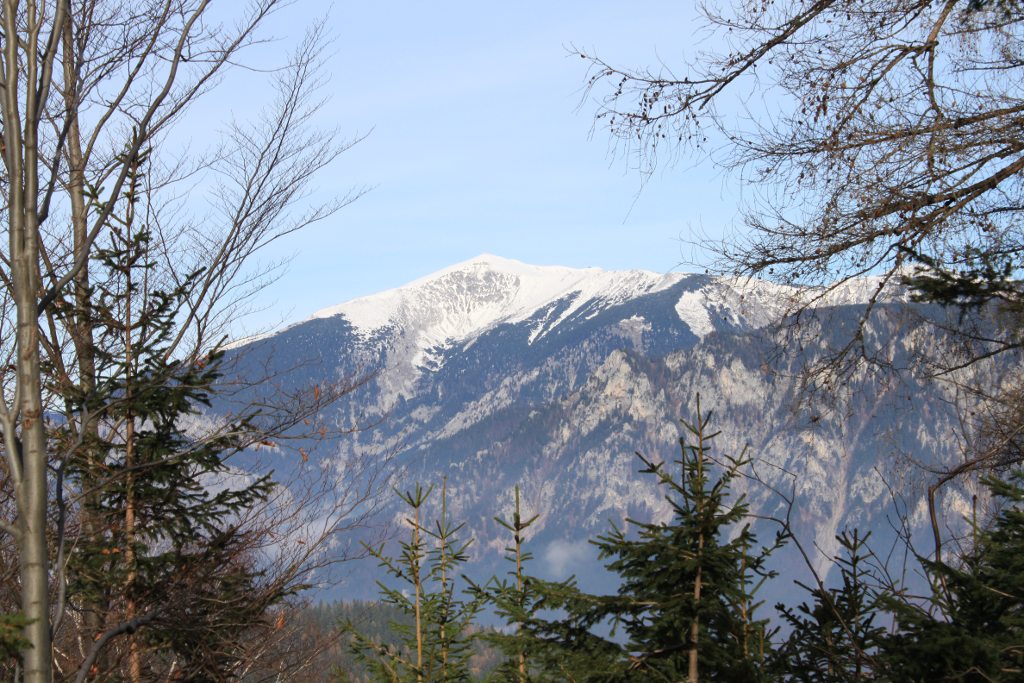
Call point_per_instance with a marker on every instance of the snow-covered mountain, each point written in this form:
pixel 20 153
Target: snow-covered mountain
pixel 458 303
pixel 499 373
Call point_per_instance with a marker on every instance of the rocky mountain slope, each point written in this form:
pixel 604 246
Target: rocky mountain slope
pixel 498 373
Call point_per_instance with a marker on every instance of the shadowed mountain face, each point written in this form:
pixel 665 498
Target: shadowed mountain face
pixel 499 374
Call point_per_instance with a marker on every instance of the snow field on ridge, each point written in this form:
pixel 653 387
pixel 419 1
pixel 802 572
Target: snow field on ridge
pixel 458 303
pixel 462 301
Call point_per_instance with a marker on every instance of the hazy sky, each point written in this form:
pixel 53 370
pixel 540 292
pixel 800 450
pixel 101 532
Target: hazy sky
pixel 477 144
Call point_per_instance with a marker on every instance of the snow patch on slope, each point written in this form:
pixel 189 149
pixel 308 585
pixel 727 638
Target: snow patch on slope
pixel 692 310
pixel 742 302
pixel 420 321
pixel 751 304
pixel 458 303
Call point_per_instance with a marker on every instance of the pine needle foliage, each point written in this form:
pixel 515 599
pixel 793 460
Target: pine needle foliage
pixel 438 644
pixel 687 604
pixel 837 637
pixel 11 639
pixel 972 630
pixel 172 559
pixel 513 600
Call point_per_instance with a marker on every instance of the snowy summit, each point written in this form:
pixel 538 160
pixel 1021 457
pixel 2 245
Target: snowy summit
pixel 461 301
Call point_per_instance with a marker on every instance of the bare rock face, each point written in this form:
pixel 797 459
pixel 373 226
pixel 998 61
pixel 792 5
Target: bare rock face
pixel 500 374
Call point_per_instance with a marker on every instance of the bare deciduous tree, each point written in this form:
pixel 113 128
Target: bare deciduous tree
pixel 90 89
pixel 878 139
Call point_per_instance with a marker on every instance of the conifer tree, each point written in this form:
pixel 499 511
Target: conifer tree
pixel 439 643
pixel 972 629
pixel 687 600
pixel 512 600
pixel 836 639
pixel 169 564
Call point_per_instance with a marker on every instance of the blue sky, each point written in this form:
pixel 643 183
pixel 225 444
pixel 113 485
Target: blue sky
pixel 477 144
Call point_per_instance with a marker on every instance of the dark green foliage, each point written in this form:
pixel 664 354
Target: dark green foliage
pixel 972 631
pixel 979 278
pixel 171 550
pixel 373 619
pixel 11 639
pixel 836 639
pixel 511 600
pixel 440 640
pixel 686 609
pixel 686 605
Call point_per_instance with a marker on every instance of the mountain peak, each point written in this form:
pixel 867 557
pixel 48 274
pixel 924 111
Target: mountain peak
pixel 460 301
pixel 499 264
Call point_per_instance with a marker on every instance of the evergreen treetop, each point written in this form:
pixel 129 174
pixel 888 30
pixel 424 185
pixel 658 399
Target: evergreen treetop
pixel 687 602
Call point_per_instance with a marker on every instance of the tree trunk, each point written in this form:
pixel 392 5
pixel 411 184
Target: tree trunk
pixel 693 676
pixel 419 591
pixel 131 606
pixel 21 142
pixel 31 490
pixel 94 608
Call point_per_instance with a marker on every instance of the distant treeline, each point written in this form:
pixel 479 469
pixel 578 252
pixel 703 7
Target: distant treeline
pixel 375 620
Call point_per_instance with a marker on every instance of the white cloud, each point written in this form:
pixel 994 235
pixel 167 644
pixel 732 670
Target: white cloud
pixel 563 558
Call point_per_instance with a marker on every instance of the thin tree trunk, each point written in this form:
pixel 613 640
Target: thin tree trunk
pixel 695 626
pixel 94 608
pixel 744 609
pixel 519 588
pixel 416 583
pixel 35 588
pixel 444 586
pixel 31 491
pixel 131 608
pixel 692 676
pixel 32 499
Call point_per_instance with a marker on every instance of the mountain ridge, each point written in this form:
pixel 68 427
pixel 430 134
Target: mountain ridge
pixel 496 380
